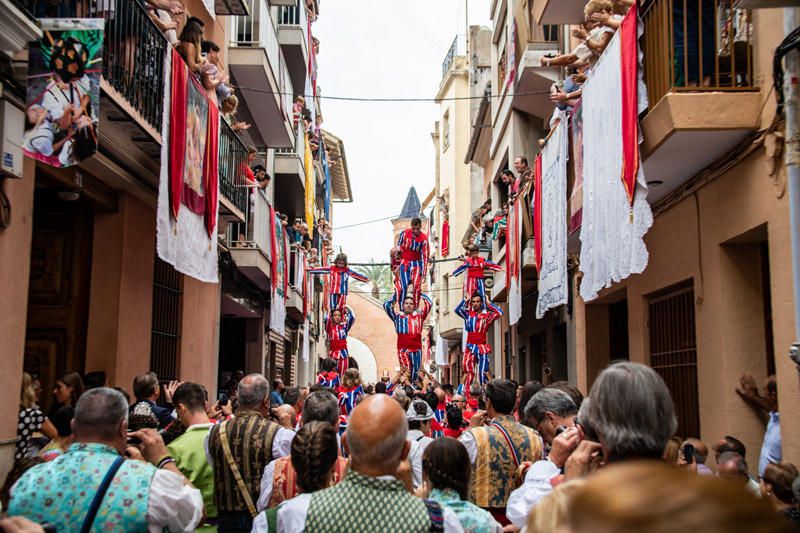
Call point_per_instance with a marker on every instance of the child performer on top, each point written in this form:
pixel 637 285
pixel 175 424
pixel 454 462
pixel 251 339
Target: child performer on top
pixel 475 266
pixel 337 327
pixel 340 275
pixel 413 247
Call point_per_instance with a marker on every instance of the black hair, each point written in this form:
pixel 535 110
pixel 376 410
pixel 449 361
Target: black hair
pixel 93 380
pixel 455 418
pixel 291 395
pixel 259 168
pixel 528 391
pixel 448 389
pixel 522 158
pixel 191 395
pixel 732 444
pixel 416 221
pixel 569 388
pixel 380 388
pixel 62 420
pixel 328 364
pixel 447 465
pixel 209 46
pixel 503 395
pixel 432 400
pixel 507 172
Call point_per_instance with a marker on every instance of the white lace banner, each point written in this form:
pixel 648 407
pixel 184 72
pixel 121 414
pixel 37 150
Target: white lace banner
pixel 553 283
pixel 612 233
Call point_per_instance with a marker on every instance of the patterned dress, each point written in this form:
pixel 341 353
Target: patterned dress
pixel 473 519
pixel 30 421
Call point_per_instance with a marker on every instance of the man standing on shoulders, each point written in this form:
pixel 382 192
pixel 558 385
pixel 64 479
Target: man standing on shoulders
pixel 189 449
pixel 92 485
pixel 240 448
pixel 413 247
pixel 497 444
pixel 370 497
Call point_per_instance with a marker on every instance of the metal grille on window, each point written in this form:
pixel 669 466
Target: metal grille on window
pixel 673 353
pixel 166 330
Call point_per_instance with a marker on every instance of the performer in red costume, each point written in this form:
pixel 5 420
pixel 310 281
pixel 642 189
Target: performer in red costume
pixel 476 323
pixel 475 266
pixel 412 245
pixel 337 326
pixel 340 274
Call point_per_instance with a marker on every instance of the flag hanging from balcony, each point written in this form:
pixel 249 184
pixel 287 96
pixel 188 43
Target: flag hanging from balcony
pixel 512 53
pixel 63 98
pixel 613 227
pixel 550 227
pixel 445 237
pixel 513 259
pixel 277 307
pixel 188 180
pixel 311 189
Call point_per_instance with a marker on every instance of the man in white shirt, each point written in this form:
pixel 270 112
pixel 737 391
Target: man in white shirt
pixel 149 493
pixel 419 416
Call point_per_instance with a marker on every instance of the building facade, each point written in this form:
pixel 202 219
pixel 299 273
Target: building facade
pixel 715 300
pixel 83 287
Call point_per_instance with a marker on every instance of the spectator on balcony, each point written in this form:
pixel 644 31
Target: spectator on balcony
pixel 614 19
pixel 297 109
pixel 508 178
pixel 525 172
pixel 215 71
pixel 228 106
pixel 190 46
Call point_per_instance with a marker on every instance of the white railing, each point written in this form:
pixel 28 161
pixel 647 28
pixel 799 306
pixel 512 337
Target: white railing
pixel 262 224
pixel 258 31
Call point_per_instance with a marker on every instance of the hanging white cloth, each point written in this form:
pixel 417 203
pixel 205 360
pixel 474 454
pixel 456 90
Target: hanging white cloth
pixel 553 283
pixel 184 243
pixel 612 233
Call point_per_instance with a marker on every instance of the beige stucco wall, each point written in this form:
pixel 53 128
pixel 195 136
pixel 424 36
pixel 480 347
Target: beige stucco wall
pixel 374 329
pixel 728 300
pixel 121 293
pixel 15 261
pixel 200 333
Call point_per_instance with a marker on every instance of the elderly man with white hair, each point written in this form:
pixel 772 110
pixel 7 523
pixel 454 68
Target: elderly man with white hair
pixel 98 484
pixel 628 415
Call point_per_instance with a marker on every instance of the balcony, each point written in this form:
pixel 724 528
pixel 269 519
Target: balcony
pixel 527 255
pixel 701 88
pixel 294 303
pixel 259 69
pixel 251 247
pixel 558 11
pixel 532 77
pixel 457 49
pixel 233 195
pixel 290 183
pixel 294 39
pixel 17 27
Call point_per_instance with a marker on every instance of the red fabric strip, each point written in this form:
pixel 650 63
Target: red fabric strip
pixel 445 238
pixel 629 65
pixel 211 168
pixel 177 130
pixel 475 337
pixel 338 344
pixel 410 255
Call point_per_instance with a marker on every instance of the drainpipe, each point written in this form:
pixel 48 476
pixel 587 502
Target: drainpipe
pixel 791 20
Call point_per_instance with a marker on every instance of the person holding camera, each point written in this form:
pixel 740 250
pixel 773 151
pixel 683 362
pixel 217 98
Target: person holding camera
pixel 240 448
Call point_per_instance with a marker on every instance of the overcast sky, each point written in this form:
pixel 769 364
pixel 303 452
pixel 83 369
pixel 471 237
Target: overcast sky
pixel 384 48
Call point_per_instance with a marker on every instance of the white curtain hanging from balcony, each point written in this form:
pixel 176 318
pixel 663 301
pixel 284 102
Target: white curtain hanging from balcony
pixel 553 282
pixel 613 229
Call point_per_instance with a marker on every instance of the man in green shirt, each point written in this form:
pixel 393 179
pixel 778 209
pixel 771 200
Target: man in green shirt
pixel 188 449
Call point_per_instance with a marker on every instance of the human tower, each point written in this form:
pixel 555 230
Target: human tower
pixel 408 308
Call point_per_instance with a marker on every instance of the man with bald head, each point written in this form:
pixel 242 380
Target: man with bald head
pixel 370 497
pixel 700 454
pixel 241 447
pixel 732 467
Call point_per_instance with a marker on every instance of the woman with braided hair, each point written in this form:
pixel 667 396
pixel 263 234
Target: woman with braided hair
pixel 446 469
pixel 315 451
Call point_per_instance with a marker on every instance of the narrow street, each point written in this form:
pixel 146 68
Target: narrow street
pixel 465 265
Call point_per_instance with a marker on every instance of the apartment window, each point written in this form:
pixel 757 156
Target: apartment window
pixel 165 338
pixel 446 130
pixel 673 353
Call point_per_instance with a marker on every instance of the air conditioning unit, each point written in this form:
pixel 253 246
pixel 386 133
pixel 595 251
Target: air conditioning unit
pixel 12 129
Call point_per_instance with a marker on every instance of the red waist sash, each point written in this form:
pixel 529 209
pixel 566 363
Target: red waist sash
pixel 410 255
pixel 476 337
pixel 475 272
pixel 338 344
pixel 409 341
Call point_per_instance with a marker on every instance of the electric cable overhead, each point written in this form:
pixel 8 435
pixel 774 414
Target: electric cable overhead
pixel 397 99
